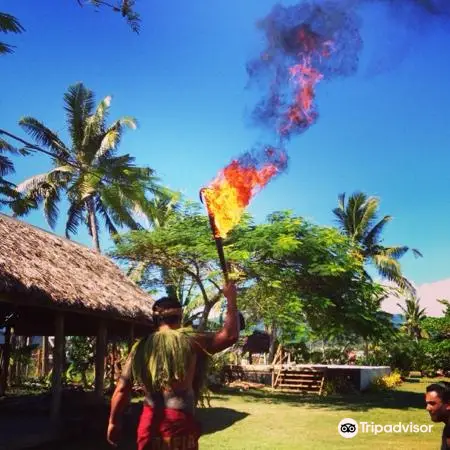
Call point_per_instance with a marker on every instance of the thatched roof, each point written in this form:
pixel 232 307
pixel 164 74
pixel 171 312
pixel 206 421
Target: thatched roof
pixel 38 268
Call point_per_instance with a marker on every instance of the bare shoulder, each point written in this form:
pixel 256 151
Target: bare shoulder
pixel 202 342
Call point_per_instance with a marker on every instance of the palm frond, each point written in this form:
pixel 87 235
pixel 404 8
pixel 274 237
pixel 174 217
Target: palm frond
pixel 95 123
pixel 339 212
pixel 79 105
pixel 395 252
pixel 85 185
pixel 60 175
pixel 33 184
pixel 372 238
pixel 118 206
pixel 368 215
pixel 104 213
pixel 6 166
pixel 112 136
pixel 7 147
pixel 45 137
pixel 10 24
pixel 354 212
pixel 6 48
pixel 51 210
pixel 74 217
pixel 388 267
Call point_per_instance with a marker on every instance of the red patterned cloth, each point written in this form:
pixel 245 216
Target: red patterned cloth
pixel 167 429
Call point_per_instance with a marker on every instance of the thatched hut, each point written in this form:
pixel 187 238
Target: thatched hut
pixel 51 286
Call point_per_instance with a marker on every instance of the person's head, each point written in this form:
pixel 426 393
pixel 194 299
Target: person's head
pixel 437 398
pixel 167 311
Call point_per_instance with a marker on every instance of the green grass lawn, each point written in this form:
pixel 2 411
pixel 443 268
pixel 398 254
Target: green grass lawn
pixel 262 420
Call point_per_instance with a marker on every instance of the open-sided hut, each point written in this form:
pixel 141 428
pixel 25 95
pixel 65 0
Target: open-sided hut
pixel 51 286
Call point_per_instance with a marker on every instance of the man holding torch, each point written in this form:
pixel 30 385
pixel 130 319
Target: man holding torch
pixel 170 365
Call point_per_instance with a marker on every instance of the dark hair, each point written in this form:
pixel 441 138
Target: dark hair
pixel 162 315
pixel 442 389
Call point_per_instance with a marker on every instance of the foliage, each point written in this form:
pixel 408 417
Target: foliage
pixel 217 365
pixel 386 382
pixel 9 24
pixel 80 353
pixel 292 272
pixel 414 316
pixel 338 385
pixel 358 218
pixel 303 273
pixel 184 251
pixel 22 356
pixel 96 181
pixel 399 352
pixel 8 193
pixel 126 8
pixel 437 347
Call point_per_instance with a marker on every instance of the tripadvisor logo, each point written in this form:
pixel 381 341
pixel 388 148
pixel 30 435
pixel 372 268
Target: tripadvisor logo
pixel 348 428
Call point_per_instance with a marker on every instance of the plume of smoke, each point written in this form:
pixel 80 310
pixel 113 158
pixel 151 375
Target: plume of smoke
pixel 317 40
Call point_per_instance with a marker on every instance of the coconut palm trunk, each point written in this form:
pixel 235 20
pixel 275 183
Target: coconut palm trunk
pixel 93 224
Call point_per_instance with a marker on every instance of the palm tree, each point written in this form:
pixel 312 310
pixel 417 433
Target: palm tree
pixel 96 181
pixel 413 317
pixel 6 167
pixel 8 193
pixel 9 24
pixel 357 218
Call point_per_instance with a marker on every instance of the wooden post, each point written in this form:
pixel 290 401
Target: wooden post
pixel 131 338
pixel 5 362
pixel 100 353
pixel 45 346
pixel 112 375
pixel 58 358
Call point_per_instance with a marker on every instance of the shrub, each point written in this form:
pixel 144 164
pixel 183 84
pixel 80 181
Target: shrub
pixel 386 382
pixel 338 385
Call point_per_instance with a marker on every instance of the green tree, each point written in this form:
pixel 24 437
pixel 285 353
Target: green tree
pixel 9 24
pixel 437 346
pixel 81 353
pixel 358 218
pixel 181 254
pixel 95 179
pixel 414 316
pixel 303 275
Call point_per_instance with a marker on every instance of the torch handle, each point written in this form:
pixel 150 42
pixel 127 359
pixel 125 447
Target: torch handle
pixel 218 240
pixel 221 254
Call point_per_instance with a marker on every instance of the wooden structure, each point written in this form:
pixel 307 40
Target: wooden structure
pixel 286 377
pixel 51 286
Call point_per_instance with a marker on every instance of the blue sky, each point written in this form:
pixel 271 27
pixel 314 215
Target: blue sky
pixel 385 132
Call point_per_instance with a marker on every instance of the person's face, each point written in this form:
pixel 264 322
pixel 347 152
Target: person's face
pixel 438 410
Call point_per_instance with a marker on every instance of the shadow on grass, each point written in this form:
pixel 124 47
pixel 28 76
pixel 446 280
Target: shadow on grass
pixel 211 419
pixel 395 399
pixel 218 419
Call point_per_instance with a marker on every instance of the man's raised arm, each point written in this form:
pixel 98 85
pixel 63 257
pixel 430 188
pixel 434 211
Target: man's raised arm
pixel 229 333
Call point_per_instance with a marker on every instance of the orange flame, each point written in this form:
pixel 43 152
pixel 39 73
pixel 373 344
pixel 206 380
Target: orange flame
pixel 231 191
